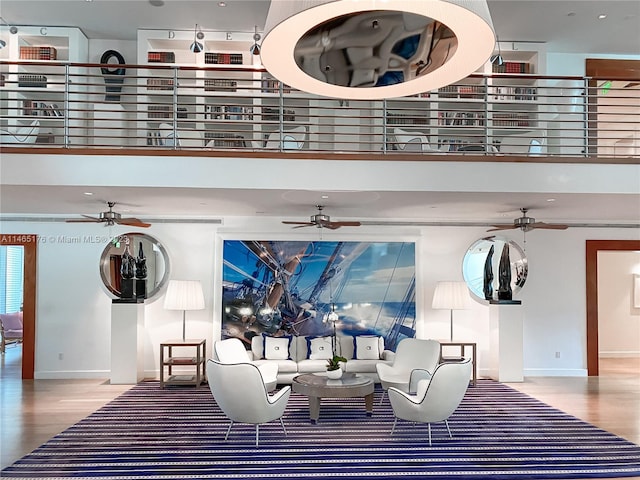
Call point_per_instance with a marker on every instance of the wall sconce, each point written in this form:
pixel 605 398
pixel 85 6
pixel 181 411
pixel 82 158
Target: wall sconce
pixel 255 48
pixel 497 59
pixel 196 46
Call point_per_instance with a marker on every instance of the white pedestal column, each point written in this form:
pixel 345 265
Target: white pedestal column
pixel 127 348
pixel 505 342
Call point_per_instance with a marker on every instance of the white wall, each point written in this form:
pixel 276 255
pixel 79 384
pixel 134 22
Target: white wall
pixel 74 309
pixel 618 320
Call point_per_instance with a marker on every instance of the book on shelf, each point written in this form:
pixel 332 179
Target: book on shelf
pixel 160 111
pixel 159 84
pixel 224 140
pixel 406 119
pixel 34 81
pixel 270 85
pixel 462 91
pixel 511 120
pixel 271 114
pixel 467 119
pixel 38 53
pixel 512 67
pixel 227 112
pixel 161 57
pixel 520 94
pixel 220 85
pixel 223 58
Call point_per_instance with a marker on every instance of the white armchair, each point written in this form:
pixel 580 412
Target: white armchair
pixel 232 350
pixel 409 141
pixel 240 393
pixel 291 140
pixel 415 359
pixel 435 399
pixel 25 135
pixel 185 138
pixel 522 144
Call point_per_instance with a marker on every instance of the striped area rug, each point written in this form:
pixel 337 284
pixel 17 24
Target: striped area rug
pixel 177 433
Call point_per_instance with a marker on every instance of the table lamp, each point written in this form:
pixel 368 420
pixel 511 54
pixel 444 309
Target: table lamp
pixel 184 295
pixel 451 296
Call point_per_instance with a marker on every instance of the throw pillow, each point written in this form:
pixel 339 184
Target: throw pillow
pixel 276 348
pixel 366 347
pixel 319 348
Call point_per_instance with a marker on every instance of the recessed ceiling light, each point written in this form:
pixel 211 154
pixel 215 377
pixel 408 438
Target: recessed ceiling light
pixel 222 4
pixel 571 14
pixel 551 199
pixel 602 16
pixel 88 193
pixel 324 197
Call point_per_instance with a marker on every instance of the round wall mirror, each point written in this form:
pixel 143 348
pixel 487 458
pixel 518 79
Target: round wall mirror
pixel 485 254
pixel 156 262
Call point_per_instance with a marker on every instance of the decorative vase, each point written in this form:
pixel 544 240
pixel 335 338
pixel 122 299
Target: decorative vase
pixel 334 374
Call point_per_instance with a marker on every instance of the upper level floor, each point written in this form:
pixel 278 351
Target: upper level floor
pixel 218 101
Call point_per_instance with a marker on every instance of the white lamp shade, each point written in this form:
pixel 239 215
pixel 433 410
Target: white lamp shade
pixel 184 295
pixel 288 21
pixel 451 296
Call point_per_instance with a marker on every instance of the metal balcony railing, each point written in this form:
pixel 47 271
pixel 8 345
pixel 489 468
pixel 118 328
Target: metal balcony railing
pixel 92 106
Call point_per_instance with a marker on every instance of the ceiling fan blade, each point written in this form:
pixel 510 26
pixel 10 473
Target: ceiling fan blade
pixel 346 224
pixel 502 227
pixel 549 226
pixel 132 222
pixel 87 218
pixel 306 224
pixel 330 225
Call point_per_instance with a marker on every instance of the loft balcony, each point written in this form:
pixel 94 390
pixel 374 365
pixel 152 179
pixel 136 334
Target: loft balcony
pixel 235 110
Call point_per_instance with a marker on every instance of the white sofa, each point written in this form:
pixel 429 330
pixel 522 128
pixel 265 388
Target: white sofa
pixel 295 361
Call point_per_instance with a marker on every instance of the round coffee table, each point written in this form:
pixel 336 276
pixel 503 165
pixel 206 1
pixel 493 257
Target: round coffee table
pixel 318 386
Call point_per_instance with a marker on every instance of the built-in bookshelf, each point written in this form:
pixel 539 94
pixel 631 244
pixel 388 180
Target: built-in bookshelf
pixel 36 89
pixel 215 103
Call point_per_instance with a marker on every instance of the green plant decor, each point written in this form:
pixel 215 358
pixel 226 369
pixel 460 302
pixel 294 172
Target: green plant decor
pixel 334 362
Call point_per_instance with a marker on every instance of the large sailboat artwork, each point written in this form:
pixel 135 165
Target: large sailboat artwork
pixel 290 287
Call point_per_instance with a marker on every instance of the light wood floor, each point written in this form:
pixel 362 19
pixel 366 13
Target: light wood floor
pixel 35 410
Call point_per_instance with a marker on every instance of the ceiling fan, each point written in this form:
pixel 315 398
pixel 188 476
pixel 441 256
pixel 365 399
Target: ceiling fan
pixel 526 224
pixel 111 218
pixel 322 221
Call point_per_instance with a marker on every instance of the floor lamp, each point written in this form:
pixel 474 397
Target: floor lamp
pixel 451 296
pixel 184 295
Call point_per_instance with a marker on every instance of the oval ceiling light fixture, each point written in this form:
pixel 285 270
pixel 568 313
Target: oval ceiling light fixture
pixel 375 49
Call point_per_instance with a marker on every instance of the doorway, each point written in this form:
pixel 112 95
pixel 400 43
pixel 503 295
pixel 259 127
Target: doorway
pixel 30 243
pixel 592 249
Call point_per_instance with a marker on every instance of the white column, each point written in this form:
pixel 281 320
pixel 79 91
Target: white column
pixel 127 348
pixel 505 341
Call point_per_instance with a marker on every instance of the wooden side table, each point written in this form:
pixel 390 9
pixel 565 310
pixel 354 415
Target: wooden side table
pixel 168 361
pixel 457 358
